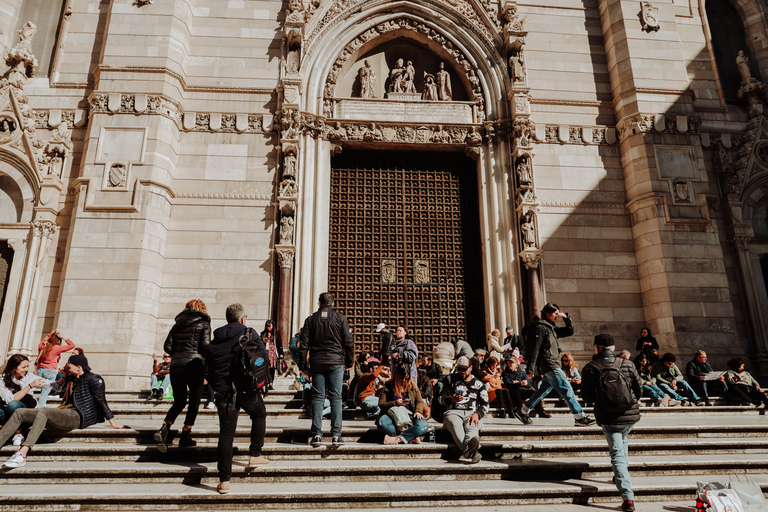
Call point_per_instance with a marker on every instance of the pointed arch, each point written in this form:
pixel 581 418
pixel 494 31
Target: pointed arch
pixel 27 190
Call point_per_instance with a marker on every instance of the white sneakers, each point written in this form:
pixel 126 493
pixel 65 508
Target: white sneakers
pixel 16 461
pixel 18 439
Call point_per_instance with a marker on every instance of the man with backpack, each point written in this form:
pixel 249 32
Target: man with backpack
pixel 328 340
pixel 238 366
pixel 614 386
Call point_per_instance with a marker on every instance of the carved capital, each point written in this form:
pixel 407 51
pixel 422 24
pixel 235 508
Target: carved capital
pixel 44 228
pixel 741 243
pixel 531 259
pixel 285 256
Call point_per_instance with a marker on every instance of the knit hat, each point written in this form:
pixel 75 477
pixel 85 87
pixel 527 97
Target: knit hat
pixel 604 340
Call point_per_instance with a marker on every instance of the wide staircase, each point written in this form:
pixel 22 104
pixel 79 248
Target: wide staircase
pixel 550 465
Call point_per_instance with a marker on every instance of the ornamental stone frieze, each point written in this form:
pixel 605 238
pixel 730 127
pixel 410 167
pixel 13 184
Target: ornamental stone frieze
pixel 580 135
pixel 54 117
pixel 645 123
pixel 338 131
pixel 117 103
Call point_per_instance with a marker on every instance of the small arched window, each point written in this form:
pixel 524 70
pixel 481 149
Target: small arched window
pixel 728 38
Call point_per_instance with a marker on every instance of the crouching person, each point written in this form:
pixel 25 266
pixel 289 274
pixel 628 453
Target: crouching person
pixel 401 391
pixel 466 400
pixel 83 404
pixel 614 386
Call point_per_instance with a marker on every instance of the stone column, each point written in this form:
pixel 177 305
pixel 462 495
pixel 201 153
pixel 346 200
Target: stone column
pixel 48 229
pixel 285 257
pixel 535 297
pixel 34 238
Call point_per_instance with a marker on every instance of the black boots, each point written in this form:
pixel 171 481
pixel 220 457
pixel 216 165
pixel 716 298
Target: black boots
pixel 540 411
pixel 161 437
pixel 185 441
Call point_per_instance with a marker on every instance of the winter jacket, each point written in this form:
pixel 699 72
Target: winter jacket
pixel 542 351
pixel 744 378
pixel 388 399
pixel 664 375
pixel 189 337
pixel 463 349
pixel 408 353
pixel 88 398
pixel 695 369
pixel 510 378
pixel 327 338
pixel 494 347
pixel 386 346
pixel 222 352
pixel 591 381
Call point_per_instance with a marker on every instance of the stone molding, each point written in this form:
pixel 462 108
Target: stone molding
pixel 425 30
pixel 645 123
pixel 285 255
pixel 203 195
pixel 117 103
pixel 580 135
pixel 403 133
pixel 52 118
pixel 582 205
pixel 184 86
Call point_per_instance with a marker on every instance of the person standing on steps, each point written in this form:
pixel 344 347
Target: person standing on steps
pixel 615 387
pixel 542 353
pixel 222 357
pixel 187 343
pixel 48 354
pixel 327 339
pixel 386 343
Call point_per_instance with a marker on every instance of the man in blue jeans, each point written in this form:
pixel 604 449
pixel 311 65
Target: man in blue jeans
pixel 328 339
pixel 543 358
pixel 616 416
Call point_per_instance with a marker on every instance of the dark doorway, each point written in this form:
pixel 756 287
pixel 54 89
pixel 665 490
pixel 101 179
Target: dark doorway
pixel 405 245
pixel 6 259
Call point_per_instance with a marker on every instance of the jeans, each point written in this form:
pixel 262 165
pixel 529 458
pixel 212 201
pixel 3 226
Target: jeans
pixel 50 374
pixel 653 391
pixel 418 429
pixel 182 377
pixel 60 420
pixel 457 423
pixel 326 378
pixel 161 384
pixel 556 380
pixel 616 435
pixel 370 405
pixel 681 386
pixel 253 405
pixel 702 388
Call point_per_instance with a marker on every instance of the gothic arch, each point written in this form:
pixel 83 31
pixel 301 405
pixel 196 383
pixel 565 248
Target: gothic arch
pixel 28 191
pixel 753 15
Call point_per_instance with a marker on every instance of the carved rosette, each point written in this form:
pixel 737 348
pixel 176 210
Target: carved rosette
pixel 285 256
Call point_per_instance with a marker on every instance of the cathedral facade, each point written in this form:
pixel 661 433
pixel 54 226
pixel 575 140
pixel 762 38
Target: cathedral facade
pixel 447 164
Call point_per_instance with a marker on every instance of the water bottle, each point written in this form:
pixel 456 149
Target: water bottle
pixel 431 434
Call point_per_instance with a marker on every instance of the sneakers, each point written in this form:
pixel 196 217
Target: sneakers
pixel 17 440
pixel 16 461
pixel 524 418
pixel 470 453
pixel 337 441
pixel 254 462
pixel 665 401
pixel 316 441
pixel 152 395
pixel 700 403
pixel 673 403
pixel 210 405
pixel 223 488
pixel 628 506
pixel 585 421
pixel 161 437
pixel 685 403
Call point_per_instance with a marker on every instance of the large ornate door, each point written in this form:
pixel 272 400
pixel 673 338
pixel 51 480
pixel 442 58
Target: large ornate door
pixel 405 245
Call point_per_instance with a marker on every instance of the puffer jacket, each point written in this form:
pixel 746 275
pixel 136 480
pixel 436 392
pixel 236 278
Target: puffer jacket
pixel 591 381
pixel 542 352
pixel 327 339
pixel 90 400
pixel 189 337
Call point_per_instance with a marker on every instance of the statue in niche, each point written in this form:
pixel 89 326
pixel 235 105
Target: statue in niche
pixel 337 132
pixel 529 234
pixel 443 79
pixel 473 79
pixel 373 134
pixel 367 81
pixel 474 137
pixel 441 136
pixel 288 188
pixel 397 77
pixel 292 62
pixel 408 76
pixel 286 230
pixel 430 88
pixel 118 174
pixel 516 70
pixel 742 61
pixel 524 174
pixel 289 165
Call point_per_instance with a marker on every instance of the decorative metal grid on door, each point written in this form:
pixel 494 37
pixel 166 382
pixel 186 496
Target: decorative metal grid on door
pixel 404 246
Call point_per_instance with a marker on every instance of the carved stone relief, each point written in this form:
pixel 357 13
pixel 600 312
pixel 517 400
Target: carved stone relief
pixel 286 230
pixel 117 176
pixel 528 229
pixel 288 189
pixel 421 272
pixel 388 272
pixel 650 16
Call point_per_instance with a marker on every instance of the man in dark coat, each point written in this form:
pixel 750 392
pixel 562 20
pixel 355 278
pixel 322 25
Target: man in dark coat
pixel 542 355
pixel 616 423
pixel 83 404
pixel 328 340
pixel 386 343
pixel 696 371
pixel 222 357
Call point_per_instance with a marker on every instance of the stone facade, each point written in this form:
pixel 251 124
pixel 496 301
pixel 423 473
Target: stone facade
pixel 182 149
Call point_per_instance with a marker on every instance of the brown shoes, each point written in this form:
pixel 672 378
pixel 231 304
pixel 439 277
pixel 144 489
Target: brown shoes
pixel 223 487
pixel 254 462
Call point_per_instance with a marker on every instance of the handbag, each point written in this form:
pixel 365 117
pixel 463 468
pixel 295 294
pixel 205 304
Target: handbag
pixel 401 417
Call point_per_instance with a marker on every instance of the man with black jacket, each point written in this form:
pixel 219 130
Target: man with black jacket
pixel 328 339
pixel 83 404
pixel 386 343
pixel 618 421
pixel 222 356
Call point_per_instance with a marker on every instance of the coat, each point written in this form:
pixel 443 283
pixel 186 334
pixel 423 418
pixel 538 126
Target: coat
pixel 189 337
pixel 327 339
pixel 590 381
pixel 542 353
pixel 222 353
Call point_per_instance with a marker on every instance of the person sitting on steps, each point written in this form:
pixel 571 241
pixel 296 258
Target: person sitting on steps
pixel 670 379
pixel 401 391
pixel 160 378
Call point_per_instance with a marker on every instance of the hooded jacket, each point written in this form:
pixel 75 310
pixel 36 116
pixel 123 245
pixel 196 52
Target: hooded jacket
pixel 222 352
pixel 189 337
pixel 591 381
pixel 542 352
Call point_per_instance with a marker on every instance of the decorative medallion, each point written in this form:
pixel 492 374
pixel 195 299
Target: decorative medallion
pixel 388 272
pixel 421 271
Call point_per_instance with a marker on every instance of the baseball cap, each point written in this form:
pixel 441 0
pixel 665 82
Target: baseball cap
pixel 79 360
pixel 380 327
pixel 462 363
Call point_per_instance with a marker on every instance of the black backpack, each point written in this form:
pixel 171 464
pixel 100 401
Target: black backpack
pixel 614 391
pixel 251 368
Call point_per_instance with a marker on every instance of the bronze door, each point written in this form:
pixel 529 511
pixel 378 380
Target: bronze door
pixel 405 246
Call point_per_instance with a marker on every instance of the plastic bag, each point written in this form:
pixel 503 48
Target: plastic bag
pixel 751 496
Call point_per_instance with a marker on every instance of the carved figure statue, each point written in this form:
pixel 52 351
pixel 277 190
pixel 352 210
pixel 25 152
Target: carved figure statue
pixel 742 61
pixel 373 134
pixel 397 78
pixel 516 67
pixel 61 134
pixel 292 62
pixel 367 81
pixel 288 188
pixel 441 136
pixel 337 132
pixel 430 88
pixel 408 76
pixel 529 235
pixel 473 137
pixel 289 165
pixel 473 80
pixel 524 174
pixel 286 230
pixel 443 79
pixel 295 5
pixel 20 60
